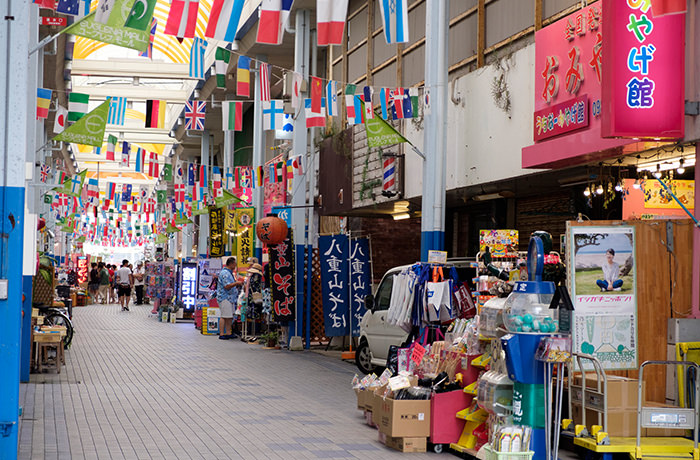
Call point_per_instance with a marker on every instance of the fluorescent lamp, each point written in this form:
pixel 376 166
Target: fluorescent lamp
pixel 401 216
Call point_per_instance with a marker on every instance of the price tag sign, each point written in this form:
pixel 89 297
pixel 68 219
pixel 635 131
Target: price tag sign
pixel 417 353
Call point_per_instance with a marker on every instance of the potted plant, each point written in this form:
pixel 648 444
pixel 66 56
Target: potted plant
pixel 270 339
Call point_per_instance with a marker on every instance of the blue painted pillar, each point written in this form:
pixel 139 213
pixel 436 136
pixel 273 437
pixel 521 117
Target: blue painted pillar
pixel 17 92
pixel 26 338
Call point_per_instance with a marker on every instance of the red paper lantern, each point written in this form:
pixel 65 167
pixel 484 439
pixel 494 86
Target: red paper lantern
pixel 271 230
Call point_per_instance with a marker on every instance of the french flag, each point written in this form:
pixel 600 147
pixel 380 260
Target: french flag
pixel 330 21
pixel 273 17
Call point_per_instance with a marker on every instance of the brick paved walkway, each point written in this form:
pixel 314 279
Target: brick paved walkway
pixel 135 388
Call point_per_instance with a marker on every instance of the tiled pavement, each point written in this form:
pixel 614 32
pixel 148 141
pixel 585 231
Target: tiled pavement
pixel 135 388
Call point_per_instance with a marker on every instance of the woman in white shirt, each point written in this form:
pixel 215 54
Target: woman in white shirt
pixel 611 273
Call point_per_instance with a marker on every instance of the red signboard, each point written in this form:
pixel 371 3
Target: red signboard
pixel 644 72
pixel 53 21
pixel 82 269
pixel 561 118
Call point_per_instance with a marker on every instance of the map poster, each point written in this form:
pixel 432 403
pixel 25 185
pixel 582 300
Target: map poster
pixel 602 277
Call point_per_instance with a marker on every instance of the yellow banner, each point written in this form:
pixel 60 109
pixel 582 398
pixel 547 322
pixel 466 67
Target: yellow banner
pixel 245 229
pixel 656 197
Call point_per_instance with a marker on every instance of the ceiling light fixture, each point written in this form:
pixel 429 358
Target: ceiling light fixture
pixel 636 185
pixel 657 173
pixel 587 191
pixel 401 216
pixel 599 189
pixel 681 168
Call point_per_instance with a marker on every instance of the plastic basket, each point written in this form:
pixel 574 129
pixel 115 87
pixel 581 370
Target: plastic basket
pixel 494 455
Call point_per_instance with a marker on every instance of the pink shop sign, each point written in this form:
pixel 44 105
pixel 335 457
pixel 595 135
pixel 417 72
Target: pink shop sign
pixel 644 72
pixel 561 118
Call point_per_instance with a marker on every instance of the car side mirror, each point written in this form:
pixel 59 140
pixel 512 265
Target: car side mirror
pixel 369 302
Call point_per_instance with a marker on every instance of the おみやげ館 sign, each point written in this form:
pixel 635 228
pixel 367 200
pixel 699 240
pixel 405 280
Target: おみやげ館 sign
pixel 567 80
pixel 644 72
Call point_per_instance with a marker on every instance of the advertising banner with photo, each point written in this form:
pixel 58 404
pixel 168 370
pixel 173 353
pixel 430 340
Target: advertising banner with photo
pixel 283 284
pixel 602 277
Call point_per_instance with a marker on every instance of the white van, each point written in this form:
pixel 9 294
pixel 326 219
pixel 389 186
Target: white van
pixel 376 335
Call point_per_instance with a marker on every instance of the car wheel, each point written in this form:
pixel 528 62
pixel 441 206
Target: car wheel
pixel 363 358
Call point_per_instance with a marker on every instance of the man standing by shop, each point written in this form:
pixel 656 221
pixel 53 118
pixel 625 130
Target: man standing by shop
pixel 139 275
pixel 227 296
pixel 124 281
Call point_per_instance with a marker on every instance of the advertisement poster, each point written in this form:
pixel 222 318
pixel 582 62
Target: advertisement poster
pixel 649 201
pixel 283 284
pixel 334 251
pixel 499 242
pixel 360 280
pixel 188 285
pixel 603 283
pixel 208 272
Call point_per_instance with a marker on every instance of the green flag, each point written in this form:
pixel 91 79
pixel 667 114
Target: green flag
pixel 200 210
pixel 141 15
pixel 167 172
pixel 163 238
pixel 113 31
pixel 179 220
pixel 221 66
pixel 162 196
pixel 380 133
pixel 73 185
pixel 227 199
pixel 89 130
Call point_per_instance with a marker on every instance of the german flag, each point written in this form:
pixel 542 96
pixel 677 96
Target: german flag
pixel 155 114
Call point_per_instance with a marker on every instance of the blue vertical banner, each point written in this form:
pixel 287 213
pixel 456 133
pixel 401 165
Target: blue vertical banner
pixel 334 251
pixel 360 281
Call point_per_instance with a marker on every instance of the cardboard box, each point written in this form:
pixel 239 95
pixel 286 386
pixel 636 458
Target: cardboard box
pixel 360 399
pixel 403 418
pixel 622 391
pixel 413 444
pixel 620 422
pixel 369 420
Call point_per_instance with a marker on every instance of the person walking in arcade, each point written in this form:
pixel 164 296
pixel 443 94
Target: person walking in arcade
pixel 124 281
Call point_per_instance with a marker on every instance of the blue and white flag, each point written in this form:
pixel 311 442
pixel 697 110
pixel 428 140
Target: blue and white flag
pixel 360 281
pixel 68 7
pixel 332 98
pixel 288 124
pixel 395 20
pixel 199 47
pixel 117 111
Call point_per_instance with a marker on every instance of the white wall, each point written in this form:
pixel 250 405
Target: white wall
pixel 483 142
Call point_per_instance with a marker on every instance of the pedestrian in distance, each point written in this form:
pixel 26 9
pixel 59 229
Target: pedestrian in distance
pixel 139 275
pixel 227 296
pixel 124 280
pixel 93 281
pixel 104 283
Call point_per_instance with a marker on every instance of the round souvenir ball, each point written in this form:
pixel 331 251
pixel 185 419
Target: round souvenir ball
pixel 271 230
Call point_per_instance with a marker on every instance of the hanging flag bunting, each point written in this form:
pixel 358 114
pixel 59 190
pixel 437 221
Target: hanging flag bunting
pixel 155 113
pixel 60 177
pixel 273 114
pixel 167 172
pixel 141 15
pixel 111 147
pixel 203 182
pixel 125 153
pixel 384 102
pixel 315 119
pixel 330 21
pixel 426 101
pixel 223 20
pixel 413 95
pixel 407 104
pixel 89 130
pixel 93 192
pixel 394 15
pixel 126 193
pixel 195 112
pixel 151 38
pixel 216 182
pixel 221 66
pixel 369 111
pixel 48 4
pixel 109 28
pixel 179 193
pixel 71 7
pixel 162 195
pixel 297 164
pixel 197 51
pixel 297 82
pixel 182 19
pixel 264 79
pixel 273 18
pixel 316 94
pixel 332 98
pixel 43 101
pixel 397 98
pixel 59 122
pixel 259 176
pixel 117 111
pixel 153 169
pixel 77 105
pixel 288 123
pixel 232 115
pixel 45 171
pixel 353 106
pixel 140 159
pixel 191 174
pixel 272 173
pixel 243 76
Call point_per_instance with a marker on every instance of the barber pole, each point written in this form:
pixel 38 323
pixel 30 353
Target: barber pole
pixel 389 177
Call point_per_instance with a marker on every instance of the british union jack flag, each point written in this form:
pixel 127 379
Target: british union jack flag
pixel 195 111
pixel 45 170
